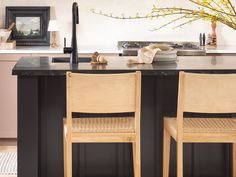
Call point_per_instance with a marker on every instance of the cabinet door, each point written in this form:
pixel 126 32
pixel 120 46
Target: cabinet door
pixel 8 100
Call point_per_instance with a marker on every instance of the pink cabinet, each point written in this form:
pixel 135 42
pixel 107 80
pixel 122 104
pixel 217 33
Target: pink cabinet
pixel 8 95
pixel 8 100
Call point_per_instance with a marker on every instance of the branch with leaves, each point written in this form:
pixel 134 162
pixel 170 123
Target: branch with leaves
pixel 222 11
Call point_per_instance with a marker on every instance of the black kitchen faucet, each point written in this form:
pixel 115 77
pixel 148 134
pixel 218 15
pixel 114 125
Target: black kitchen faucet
pixel 73 50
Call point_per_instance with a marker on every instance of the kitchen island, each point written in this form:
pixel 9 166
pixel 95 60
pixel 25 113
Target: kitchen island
pixel 42 106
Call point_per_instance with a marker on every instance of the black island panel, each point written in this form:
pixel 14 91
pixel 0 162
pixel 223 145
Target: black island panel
pixel 42 106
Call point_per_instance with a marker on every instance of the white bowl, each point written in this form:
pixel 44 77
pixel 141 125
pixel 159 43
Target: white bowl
pixel 4 35
pixel 166 56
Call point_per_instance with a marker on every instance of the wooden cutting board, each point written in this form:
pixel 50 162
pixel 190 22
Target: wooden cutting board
pixel 7 45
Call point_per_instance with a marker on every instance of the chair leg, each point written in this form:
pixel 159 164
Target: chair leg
pixel 134 155
pixel 137 168
pixel 166 153
pixel 65 155
pixel 233 159
pixel 179 159
pixel 69 159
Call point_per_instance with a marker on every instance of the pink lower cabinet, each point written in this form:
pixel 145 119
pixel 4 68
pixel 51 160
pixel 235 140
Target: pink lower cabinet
pixel 8 100
pixel 8 95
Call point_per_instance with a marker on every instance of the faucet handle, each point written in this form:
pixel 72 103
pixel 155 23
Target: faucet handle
pixel 67 49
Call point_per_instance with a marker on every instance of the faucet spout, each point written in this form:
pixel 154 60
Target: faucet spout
pixel 73 50
pixel 75 20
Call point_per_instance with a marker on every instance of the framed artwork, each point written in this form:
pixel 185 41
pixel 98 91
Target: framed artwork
pixel 31 25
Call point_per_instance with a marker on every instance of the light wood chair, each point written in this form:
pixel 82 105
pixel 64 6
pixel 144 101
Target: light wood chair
pixel 201 93
pixel 103 93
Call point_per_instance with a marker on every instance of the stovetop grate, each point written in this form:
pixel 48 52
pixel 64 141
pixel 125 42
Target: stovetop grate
pixel 130 48
pixel 140 44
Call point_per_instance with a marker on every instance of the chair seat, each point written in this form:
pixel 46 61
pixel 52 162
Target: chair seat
pixel 204 125
pixel 204 129
pixel 103 125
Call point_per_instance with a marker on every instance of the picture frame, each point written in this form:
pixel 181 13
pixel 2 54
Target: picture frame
pixel 31 25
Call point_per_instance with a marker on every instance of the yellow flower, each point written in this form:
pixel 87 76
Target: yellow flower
pixel 201 13
pixel 206 2
pixel 224 2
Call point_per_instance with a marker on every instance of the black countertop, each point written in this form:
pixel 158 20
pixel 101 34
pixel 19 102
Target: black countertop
pixel 42 66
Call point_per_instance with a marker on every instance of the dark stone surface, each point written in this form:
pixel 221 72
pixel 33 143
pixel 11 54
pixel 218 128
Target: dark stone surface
pixel 42 66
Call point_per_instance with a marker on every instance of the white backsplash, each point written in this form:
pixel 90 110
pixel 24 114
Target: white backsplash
pixel 98 30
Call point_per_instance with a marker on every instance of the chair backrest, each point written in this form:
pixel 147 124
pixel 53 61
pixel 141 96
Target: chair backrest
pixel 104 93
pixel 205 93
pixel 208 93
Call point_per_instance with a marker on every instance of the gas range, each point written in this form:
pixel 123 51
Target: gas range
pixel 130 48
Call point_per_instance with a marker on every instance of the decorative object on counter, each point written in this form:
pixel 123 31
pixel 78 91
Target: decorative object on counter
pixel 204 39
pixel 53 28
pixel 200 39
pixel 212 38
pixel 209 39
pixel 4 35
pixel 8 45
pixel 155 53
pixel 98 59
pixel 31 25
pixel 147 54
pixel 213 34
pixel 11 26
pixel 222 11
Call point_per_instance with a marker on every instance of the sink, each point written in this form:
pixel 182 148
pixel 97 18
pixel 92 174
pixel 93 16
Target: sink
pixel 67 60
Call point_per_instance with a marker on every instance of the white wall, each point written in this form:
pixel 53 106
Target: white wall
pixel 98 30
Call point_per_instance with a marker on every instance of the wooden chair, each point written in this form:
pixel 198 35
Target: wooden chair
pixel 103 93
pixel 201 93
